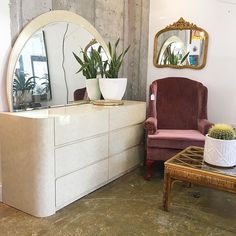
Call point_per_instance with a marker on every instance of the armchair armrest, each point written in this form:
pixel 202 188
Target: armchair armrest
pixel 151 125
pixel 204 125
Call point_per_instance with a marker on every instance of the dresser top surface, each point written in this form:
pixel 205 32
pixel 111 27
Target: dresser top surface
pixel 67 110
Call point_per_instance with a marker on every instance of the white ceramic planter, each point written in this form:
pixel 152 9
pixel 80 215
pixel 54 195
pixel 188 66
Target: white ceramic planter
pixel 24 97
pixel 113 89
pixel 220 152
pixel 93 90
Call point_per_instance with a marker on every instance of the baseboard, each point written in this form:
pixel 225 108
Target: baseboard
pixel 0 192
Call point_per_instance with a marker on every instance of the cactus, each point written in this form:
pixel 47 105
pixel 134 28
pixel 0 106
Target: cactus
pixel 222 131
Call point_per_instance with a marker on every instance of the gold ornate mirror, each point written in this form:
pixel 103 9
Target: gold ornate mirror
pixel 181 45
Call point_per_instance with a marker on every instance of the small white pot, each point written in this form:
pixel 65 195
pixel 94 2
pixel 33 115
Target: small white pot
pixel 24 96
pixel 220 152
pixel 93 90
pixel 113 89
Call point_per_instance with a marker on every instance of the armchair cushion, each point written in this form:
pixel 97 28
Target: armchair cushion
pixel 151 125
pixel 175 139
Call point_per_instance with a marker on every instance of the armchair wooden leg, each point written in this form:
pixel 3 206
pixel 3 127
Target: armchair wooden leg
pixel 148 169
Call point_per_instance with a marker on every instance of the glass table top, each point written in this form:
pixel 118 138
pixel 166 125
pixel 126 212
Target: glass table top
pixel 192 157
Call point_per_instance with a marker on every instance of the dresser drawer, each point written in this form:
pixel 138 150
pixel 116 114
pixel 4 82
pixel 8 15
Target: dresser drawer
pixel 78 155
pixel 75 185
pixel 78 126
pixel 122 162
pixel 125 138
pixel 123 116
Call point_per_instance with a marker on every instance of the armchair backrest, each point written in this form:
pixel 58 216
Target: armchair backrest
pixel 177 103
pixel 80 94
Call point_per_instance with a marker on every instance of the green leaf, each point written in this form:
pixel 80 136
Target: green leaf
pixel 115 62
pixel 126 50
pixel 117 42
pixel 78 59
pixel 110 49
pixel 99 49
pixel 184 58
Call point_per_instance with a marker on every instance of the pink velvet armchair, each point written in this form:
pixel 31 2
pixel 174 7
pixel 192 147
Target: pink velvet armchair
pixel 177 118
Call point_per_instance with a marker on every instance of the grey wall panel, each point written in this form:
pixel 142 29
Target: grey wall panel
pixel 23 11
pixel 85 8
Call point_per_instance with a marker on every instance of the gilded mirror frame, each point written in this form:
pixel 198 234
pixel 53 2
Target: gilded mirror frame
pixel 35 25
pixel 181 24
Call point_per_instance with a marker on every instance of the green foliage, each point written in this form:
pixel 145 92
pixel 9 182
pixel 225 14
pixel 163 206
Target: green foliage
pixel 222 131
pixel 91 65
pixel 46 84
pixel 184 58
pixel 174 59
pixel 115 61
pixel 21 83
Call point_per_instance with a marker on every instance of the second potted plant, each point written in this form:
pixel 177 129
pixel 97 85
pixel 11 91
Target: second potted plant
pixel 112 87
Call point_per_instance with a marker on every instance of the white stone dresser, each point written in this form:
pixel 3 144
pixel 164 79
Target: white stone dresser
pixel 55 156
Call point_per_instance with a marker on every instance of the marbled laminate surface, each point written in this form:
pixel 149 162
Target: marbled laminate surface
pixel 132 206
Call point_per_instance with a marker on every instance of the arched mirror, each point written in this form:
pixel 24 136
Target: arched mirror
pixel 181 45
pixel 42 68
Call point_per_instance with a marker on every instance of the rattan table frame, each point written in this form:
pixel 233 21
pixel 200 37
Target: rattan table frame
pixel 176 172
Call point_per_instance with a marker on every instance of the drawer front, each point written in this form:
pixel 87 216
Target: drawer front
pixel 79 126
pixel 122 139
pixel 123 116
pixel 124 161
pixel 78 155
pixel 75 185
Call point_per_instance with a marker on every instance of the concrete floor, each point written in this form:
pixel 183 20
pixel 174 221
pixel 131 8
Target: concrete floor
pixel 132 206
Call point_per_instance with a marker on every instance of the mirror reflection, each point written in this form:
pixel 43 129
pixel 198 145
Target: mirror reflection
pixel 31 83
pixel 45 72
pixel 181 45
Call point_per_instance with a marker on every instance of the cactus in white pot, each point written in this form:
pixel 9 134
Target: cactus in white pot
pixel 220 146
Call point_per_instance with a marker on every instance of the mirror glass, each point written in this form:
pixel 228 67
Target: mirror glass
pixel 181 45
pixel 31 82
pixel 45 70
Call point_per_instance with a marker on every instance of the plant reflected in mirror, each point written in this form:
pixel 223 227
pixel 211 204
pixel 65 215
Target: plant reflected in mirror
pixel 172 56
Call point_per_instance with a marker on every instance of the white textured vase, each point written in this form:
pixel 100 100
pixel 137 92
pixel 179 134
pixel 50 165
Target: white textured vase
pixel 93 90
pixel 220 152
pixel 113 89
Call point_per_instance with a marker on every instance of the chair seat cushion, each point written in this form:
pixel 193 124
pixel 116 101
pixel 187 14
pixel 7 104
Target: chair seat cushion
pixel 176 139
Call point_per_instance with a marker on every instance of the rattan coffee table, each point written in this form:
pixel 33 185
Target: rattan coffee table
pixel 189 166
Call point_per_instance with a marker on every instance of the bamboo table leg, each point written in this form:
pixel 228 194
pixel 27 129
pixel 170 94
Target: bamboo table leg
pixel 167 190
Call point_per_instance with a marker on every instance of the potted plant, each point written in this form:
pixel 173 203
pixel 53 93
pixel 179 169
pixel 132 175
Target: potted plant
pixel 220 146
pixel 112 87
pixel 23 87
pixel 91 66
pixel 42 91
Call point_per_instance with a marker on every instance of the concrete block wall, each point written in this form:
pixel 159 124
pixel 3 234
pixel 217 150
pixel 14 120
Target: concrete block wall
pixel 127 19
